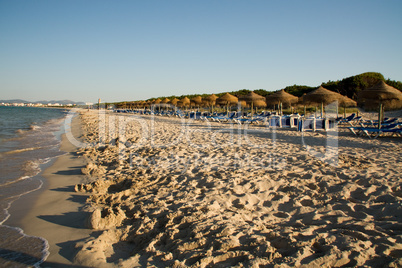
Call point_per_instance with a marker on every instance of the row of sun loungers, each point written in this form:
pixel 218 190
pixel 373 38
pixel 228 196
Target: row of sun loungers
pixel 356 124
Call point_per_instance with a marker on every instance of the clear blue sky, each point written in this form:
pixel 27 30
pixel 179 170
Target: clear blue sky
pixel 131 50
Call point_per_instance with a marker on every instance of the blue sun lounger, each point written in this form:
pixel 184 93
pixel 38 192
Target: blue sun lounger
pixel 374 132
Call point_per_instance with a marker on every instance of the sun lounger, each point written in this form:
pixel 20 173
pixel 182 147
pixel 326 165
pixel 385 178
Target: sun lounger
pixel 348 119
pixel 375 132
pixel 248 120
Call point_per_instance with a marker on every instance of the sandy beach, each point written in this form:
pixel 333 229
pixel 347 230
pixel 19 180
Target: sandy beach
pixel 169 192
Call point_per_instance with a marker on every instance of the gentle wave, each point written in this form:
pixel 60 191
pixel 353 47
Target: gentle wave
pixel 34 127
pixel 16 197
pixel 14 181
pixel 14 253
pixel 22 150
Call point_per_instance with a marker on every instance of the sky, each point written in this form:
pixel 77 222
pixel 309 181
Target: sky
pixel 124 50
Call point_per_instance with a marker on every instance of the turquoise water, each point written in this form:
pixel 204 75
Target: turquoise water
pixel 29 138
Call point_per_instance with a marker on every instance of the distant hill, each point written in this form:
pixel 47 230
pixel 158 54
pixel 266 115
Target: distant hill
pixel 14 101
pixel 63 102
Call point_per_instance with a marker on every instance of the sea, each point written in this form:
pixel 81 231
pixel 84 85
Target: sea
pixel 29 139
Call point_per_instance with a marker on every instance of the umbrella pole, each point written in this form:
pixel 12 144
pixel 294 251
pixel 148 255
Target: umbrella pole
pixel 379 116
pixel 305 111
pixel 281 113
pixel 322 110
pixel 344 111
pixel 252 110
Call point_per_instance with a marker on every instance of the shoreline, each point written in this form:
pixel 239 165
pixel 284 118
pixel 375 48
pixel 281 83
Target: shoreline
pixel 54 213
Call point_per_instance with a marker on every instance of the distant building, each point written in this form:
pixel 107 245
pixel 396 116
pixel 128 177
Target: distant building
pixel 18 104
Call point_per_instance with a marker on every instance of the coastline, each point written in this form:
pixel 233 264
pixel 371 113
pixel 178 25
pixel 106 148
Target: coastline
pixel 55 212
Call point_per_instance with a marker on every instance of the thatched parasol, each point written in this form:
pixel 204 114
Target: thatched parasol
pixel 259 103
pixel 210 101
pixel 346 102
pixel 196 101
pixel 157 101
pixel 227 99
pixel 281 97
pixel 205 102
pixel 254 100
pixel 174 101
pixel 321 96
pixel 185 102
pixel 252 97
pixel 165 100
pixel 381 95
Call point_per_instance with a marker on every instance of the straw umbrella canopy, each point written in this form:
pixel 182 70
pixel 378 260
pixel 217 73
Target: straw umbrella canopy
pixel 346 102
pixel 185 102
pixel 136 104
pixel 197 101
pixel 381 95
pixel 254 100
pixel 258 103
pixel 227 99
pixel 174 101
pixel 157 101
pixel 205 102
pixel 321 96
pixel 281 97
pixel 252 97
pixel 165 101
pixel 143 104
pixel 211 100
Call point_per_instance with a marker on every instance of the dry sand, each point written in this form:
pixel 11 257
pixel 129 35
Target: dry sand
pixel 177 193
pixel 166 192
